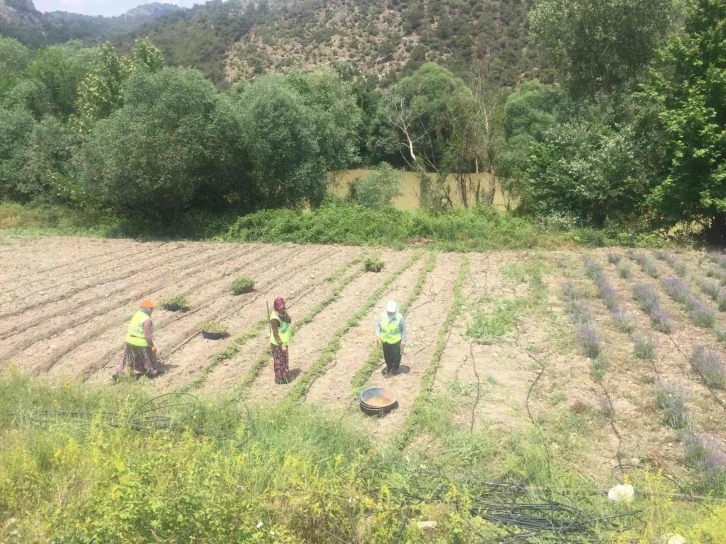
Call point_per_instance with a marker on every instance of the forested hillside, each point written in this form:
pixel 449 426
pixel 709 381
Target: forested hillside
pixel 235 42
pixel 19 19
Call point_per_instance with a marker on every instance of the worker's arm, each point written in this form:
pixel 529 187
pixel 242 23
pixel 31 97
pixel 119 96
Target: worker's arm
pixel 378 329
pixel 274 325
pixel 147 333
pixel 402 324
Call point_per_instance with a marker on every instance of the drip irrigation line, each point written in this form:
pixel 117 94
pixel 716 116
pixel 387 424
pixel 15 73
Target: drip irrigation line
pixel 471 350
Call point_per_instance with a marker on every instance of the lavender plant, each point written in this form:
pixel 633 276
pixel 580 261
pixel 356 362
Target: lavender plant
pixel 624 271
pixel 647 263
pixel 701 314
pixel 588 340
pixel 649 302
pixel 614 258
pixel 671 400
pixel 622 320
pixel 720 332
pixel 709 364
pixel 644 347
pixel 676 264
pixel 598 366
pixel 714 291
pixel 705 453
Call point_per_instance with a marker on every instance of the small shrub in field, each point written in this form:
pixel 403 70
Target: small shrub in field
pixel 614 258
pixel 579 312
pixel 593 269
pixel 373 264
pixel 622 320
pixel 589 341
pixel 661 320
pixel 175 303
pixel 649 302
pixel 720 332
pixel 214 328
pixel 243 284
pixel 598 367
pixel 644 347
pixel 676 264
pixel 711 288
pixel 717 258
pixel 647 263
pixel 709 364
pixel 705 453
pixel 660 254
pixel 624 271
pixel 701 314
pixel 671 401
pixel 570 291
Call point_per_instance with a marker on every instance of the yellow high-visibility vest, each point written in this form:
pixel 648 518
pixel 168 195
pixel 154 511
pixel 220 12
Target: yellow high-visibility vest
pixel 135 335
pixel 283 329
pixel 391 330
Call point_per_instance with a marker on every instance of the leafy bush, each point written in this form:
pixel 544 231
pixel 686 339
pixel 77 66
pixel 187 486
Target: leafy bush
pixel 373 263
pixel 242 284
pixel 337 222
pixel 710 366
pixel 175 303
pixel 644 347
pixel 671 401
pixel 624 271
pixel 213 327
pixel 377 188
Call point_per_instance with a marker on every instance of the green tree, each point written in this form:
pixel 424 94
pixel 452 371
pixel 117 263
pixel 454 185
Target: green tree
pixel 688 92
pixel 159 156
pixel 338 118
pixel 377 188
pixel 58 71
pixel 286 162
pixel 418 116
pixel 600 44
pixel 16 126
pixel 14 59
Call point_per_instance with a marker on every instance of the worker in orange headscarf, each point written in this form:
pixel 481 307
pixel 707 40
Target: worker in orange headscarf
pixel 139 355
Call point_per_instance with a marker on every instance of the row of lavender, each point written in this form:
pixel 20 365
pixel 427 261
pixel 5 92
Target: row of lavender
pixel 702 451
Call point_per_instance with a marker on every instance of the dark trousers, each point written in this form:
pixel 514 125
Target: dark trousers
pixel 392 355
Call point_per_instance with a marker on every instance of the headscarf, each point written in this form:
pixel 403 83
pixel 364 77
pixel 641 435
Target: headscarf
pixel 279 303
pixel 148 304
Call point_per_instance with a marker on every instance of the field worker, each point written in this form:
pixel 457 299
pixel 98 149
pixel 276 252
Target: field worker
pixel 280 339
pixel 391 331
pixel 139 356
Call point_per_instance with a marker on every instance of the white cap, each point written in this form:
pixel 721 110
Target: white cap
pixel 391 306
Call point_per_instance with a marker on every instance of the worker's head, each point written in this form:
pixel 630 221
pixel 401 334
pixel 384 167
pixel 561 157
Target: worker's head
pixel 279 304
pixel 147 306
pixel 391 307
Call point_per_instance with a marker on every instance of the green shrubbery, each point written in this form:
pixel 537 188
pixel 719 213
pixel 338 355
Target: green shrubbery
pixel 175 303
pixel 242 285
pixel 109 465
pixel 342 223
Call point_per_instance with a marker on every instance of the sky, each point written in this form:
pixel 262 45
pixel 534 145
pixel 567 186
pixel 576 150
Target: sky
pixel 107 8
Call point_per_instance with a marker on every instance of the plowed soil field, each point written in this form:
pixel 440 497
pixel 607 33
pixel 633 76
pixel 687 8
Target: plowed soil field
pixel 492 341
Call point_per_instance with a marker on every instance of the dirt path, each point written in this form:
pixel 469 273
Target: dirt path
pixel 423 321
pixel 489 380
pixel 290 281
pixel 311 339
pixel 333 390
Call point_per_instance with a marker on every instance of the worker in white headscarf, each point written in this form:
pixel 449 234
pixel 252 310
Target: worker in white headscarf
pixel 391 332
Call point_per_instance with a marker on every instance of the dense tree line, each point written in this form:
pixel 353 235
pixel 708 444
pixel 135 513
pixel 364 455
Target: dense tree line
pixel 632 135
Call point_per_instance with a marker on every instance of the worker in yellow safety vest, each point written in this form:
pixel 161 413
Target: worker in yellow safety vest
pixel 139 355
pixel 391 332
pixel 280 334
